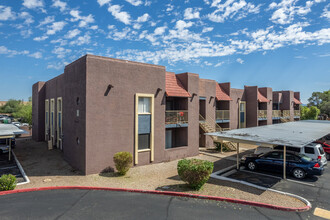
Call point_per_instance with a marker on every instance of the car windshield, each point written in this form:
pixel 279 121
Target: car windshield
pixel 321 150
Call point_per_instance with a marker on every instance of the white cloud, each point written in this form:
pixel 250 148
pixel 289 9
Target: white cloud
pixel 47 20
pixel 72 33
pixel 160 30
pixel 207 29
pixel 61 52
pixel 111 26
pixel 326 12
pixel 56 66
pixel 37 55
pixel 6 13
pixel 287 9
pixel 103 2
pixel 219 64
pixel 231 9
pixel 86 39
pixel 239 60
pixel 135 2
pixel 180 24
pixel 137 26
pixel 27 17
pixel 42 38
pixel 120 35
pixel 34 4
pixel 83 20
pixel 169 7
pixel 122 16
pixel 59 4
pixel 26 33
pixel 191 13
pixel 143 18
pixel 11 53
pixel 55 27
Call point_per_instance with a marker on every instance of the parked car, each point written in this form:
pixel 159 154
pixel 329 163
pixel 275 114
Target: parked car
pixel 4 149
pixel 297 164
pixel 16 123
pixel 312 150
pixel 5 141
pixel 326 148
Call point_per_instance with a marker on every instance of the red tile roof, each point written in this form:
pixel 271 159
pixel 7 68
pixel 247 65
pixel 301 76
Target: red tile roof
pixel 221 95
pixel 262 98
pixel 174 87
pixel 296 101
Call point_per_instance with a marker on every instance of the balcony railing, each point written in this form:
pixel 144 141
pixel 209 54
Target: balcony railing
pixel 222 114
pixel 286 113
pixel 262 113
pixel 176 117
pixel 277 113
pixel 297 113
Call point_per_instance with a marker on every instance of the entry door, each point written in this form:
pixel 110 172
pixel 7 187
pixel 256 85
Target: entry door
pixel 59 123
pixel 47 120
pixel 52 121
pixel 242 114
pixel 168 140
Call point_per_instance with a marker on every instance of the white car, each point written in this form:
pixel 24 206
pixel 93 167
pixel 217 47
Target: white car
pixel 312 150
pixel 18 124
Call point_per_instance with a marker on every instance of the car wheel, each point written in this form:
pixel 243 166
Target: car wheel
pixel 299 173
pixel 251 165
pixel 328 156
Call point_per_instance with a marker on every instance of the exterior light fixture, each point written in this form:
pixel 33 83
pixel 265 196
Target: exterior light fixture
pixel 108 89
pixel 158 91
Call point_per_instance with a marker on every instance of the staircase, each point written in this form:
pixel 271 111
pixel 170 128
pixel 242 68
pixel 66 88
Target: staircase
pixel 209 126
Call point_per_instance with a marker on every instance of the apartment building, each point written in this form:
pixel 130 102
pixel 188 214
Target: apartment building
pixel 100 106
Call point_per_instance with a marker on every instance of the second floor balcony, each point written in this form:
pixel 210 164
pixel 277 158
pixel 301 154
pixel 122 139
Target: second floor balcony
pixel 222 115
pixel 176 117
pixel 262 114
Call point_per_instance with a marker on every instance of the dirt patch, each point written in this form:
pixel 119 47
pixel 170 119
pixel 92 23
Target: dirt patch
pixel 48 168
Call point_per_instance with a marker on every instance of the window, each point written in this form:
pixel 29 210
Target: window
pixel 144 141
pixel 321 150
pixel 291 157
pixel 309 150
pixel 275 155
pixel 144 105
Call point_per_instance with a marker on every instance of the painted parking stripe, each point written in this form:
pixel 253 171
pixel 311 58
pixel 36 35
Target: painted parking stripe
pixel 295 181
pixel 322 213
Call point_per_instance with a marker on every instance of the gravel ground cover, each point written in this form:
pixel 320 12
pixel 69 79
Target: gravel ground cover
pixel 48 168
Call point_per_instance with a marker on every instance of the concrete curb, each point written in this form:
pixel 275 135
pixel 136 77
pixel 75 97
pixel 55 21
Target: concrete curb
pixel 168 193
pixel 27 180
pixel 217 176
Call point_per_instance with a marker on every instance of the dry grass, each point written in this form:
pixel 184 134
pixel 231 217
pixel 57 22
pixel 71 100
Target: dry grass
pixel 47 168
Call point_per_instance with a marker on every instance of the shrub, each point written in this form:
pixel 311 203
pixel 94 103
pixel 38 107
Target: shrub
pixel 123 161
pixel 195 172
pixel 225 147
pixel 7 182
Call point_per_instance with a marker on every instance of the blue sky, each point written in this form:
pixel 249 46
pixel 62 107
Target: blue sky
pixel 281 44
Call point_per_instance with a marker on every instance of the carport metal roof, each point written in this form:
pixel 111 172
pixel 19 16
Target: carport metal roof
pixel 297 134
pixel 9 130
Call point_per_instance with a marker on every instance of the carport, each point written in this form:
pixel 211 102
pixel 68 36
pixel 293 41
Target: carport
pixel 294 134
pixel 8 131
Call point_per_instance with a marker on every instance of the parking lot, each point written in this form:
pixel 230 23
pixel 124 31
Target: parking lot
pixel 10 167
pixel 316 189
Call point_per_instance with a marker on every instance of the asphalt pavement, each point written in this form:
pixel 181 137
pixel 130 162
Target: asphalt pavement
pixel 95 204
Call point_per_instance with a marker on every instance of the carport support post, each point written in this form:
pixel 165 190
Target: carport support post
pixel 284 162
pixel 9 149
pixel 237 157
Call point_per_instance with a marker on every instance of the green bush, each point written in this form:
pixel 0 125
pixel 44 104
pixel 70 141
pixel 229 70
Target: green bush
pixel 123 161
pixel 7 182
pixel 195 172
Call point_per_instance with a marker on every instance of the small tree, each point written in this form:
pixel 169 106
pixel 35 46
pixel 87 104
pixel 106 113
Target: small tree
pixel 309 112
pixel 195 172
pixel 7 182
pixel 24 113
pixel 123 161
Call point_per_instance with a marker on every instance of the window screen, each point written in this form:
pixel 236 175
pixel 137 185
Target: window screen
pixel 144 141
pixel 309 150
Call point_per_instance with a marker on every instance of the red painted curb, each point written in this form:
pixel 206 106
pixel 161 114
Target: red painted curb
pixel 168 193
